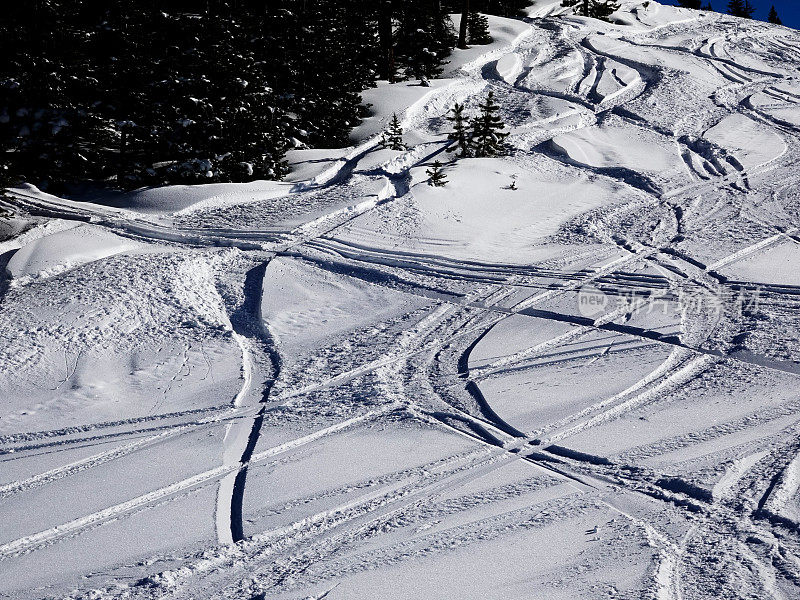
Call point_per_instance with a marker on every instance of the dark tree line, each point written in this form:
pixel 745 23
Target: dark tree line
pixel 131 93
pixel 140 93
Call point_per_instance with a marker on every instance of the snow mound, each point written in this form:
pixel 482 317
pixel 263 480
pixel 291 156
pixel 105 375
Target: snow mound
pixel 182 199
pixel 509 67
pixel 11 227
pixel 752 143
pixel 307 164
pixel 64 250
pixel 477 215
pixel 160 203
pixel 619 146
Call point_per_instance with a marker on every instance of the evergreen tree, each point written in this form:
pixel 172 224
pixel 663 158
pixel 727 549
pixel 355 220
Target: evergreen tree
pixel 735 7
pixel 478 27
pixel 392 138
pixel 436 178
pixel 602 9
pixel 773 16
pixel 487 136
pixel 216 117
pixel 424 38
pixel 740 8
pixel 326 59
pixel 460 134
pixel 708 7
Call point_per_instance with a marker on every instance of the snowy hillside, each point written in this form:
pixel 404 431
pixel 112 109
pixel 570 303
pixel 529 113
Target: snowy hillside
pixel 354 385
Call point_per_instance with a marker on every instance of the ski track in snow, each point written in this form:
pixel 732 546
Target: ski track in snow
pixel 713 494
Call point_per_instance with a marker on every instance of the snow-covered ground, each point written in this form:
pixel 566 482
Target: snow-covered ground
pixel 355 385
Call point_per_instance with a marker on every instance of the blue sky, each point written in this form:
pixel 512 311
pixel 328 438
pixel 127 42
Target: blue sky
pixel 788 10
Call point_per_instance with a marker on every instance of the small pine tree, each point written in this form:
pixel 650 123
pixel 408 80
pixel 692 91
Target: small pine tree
pixel 478 27
pixel 708 7
pixel 460 133
pixel 392 138
pixel 436 178
pixel 487 135
pixel 773 17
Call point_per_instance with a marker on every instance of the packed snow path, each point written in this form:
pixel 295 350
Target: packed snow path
pixel 354 385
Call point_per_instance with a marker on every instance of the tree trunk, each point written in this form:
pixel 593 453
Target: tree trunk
pixel 386 42
pixel 462 30
pixel 123 156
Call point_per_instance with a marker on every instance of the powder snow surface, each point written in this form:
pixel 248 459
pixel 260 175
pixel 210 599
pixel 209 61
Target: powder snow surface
pixel 570 373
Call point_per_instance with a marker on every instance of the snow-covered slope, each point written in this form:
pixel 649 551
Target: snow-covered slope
pixel 355 385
